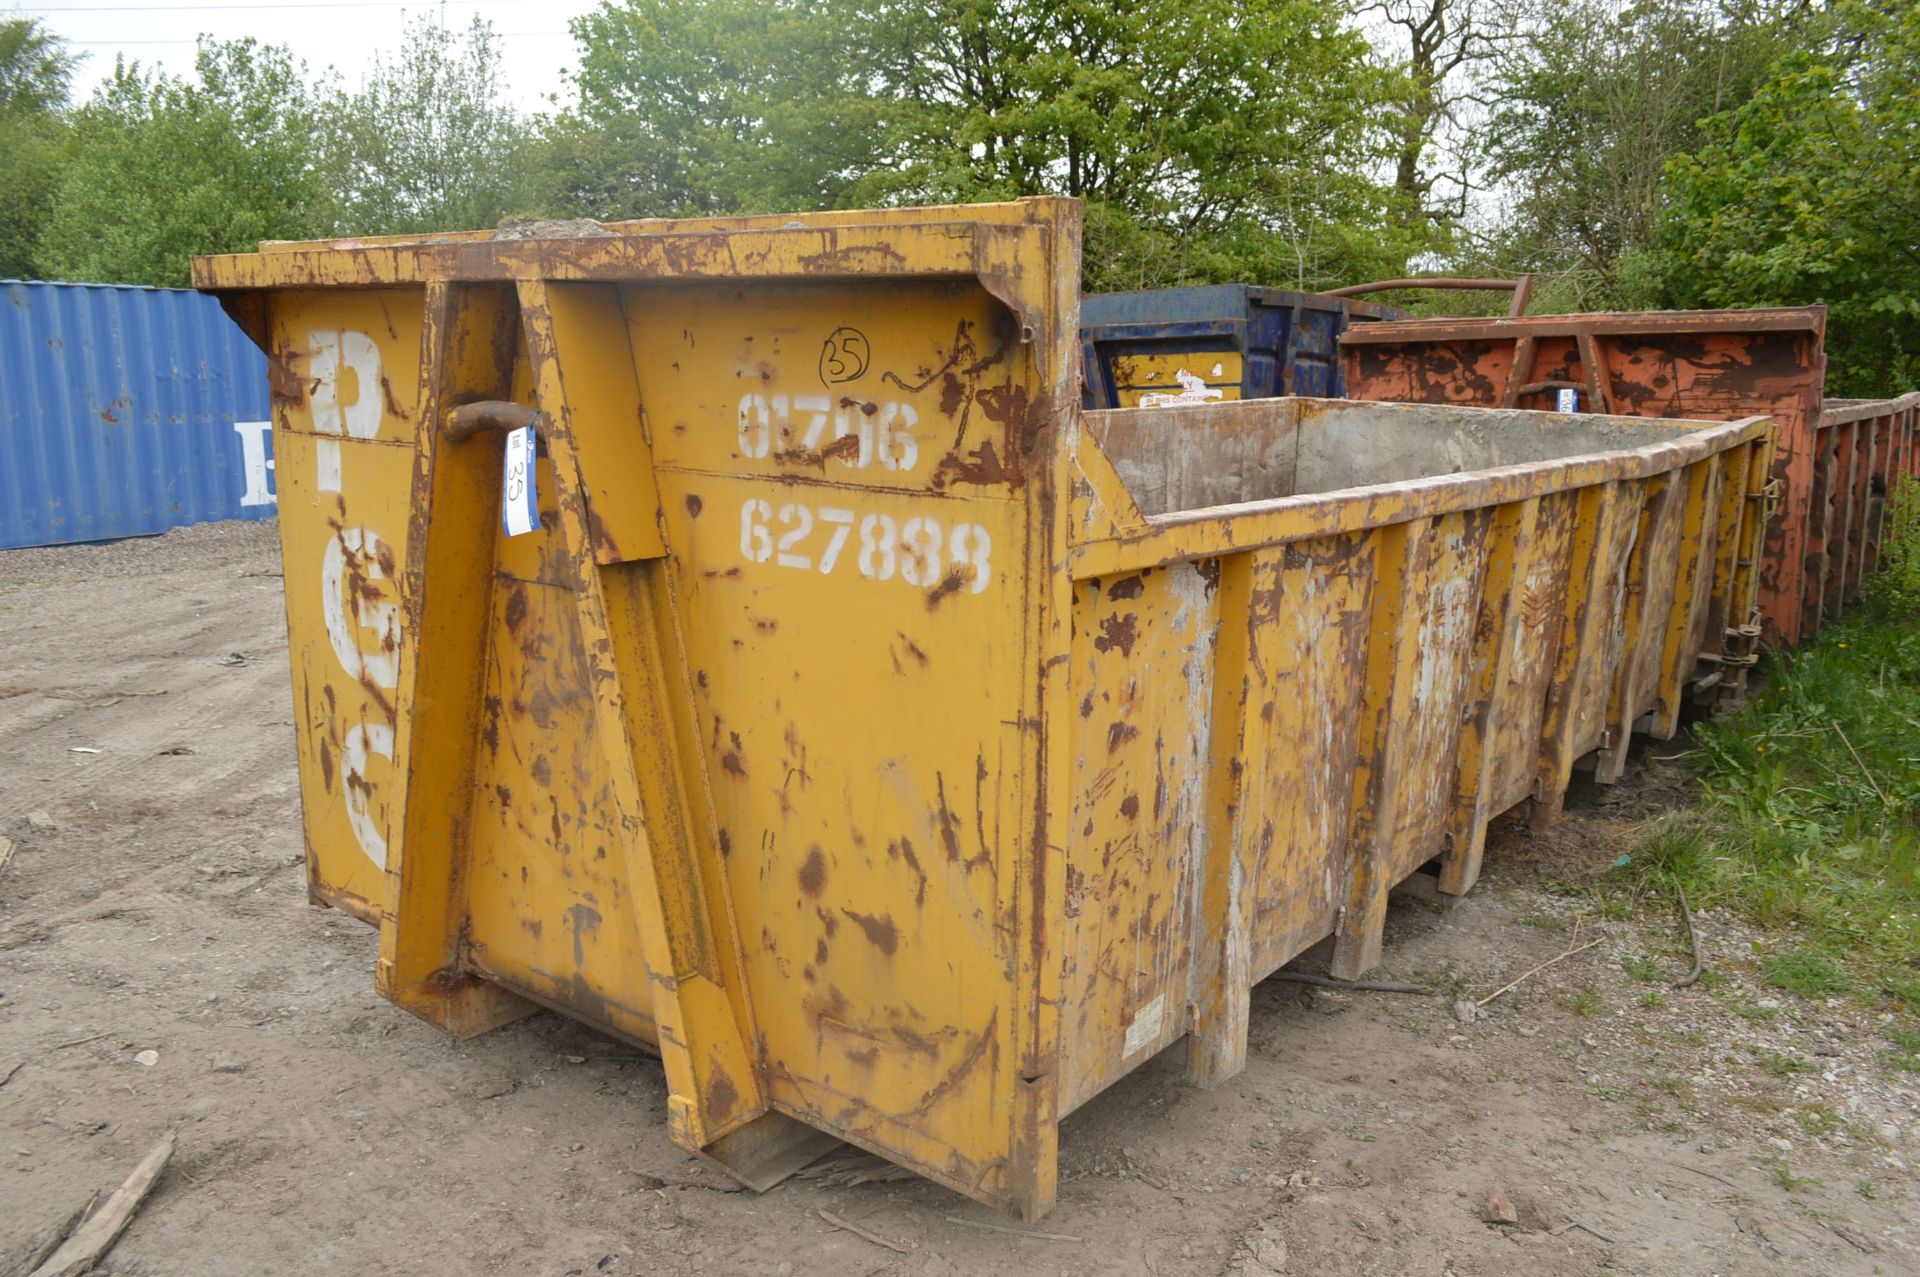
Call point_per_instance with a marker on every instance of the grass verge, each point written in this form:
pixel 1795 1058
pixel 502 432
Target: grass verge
pixel 1810 822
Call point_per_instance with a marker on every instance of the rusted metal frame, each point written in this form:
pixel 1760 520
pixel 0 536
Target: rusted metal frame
pixel 1722 613
pixel 249 312
pixel 467 343
pixel 1836 412
pixel 642 699
pixel 1040 875
pixel 1786 555
pixel 1191 534
pixel 1221 979
pixel 1394 332
pixel 1524 353
pixel 1599 376
pixel 1863 521
pixel 1833 595
pixel 1642 633
pixel 1821 497
pixel 1689 622
pixel 488 416
pixel 941 248
pixel 1607 515
pixel 1452 283
pixel 1402 557
pixel 1847 444
pixel 1522 296
pixel 1005 212
pixel 1729 625
pixel 1759 494
pixel 1880 481
pixel 1542 387
pixel 1102 507
pixel 1908 452
pixel 1414 570
pixel 1496 635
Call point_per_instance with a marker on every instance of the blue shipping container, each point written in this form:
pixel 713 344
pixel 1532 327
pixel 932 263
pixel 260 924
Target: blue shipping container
pixel 1247 342
pixel 125 412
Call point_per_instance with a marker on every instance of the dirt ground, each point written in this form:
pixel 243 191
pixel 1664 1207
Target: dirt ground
pixel 155 904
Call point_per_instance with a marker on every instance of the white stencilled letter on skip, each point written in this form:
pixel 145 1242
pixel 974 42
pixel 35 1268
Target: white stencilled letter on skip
pixel 366 741
pixel 358 553
pixel 331 354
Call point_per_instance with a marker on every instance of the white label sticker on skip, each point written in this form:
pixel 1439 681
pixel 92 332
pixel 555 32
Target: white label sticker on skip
pixel 519 499
pixel 1145 1028
pixel 1566 401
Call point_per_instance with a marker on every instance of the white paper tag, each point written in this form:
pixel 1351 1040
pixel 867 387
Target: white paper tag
pixel 519 495
pixel 1145 1026
pixel 1566 401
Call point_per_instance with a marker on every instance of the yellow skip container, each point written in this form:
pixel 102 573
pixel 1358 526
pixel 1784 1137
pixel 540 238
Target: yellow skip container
pixel 900 751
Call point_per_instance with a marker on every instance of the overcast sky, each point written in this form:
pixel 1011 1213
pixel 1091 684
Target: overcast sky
pixel 344 35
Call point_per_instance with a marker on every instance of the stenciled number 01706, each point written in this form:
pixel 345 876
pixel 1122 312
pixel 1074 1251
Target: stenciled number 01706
pixel 919 551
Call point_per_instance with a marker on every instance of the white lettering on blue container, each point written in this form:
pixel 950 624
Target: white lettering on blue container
pixel 255 464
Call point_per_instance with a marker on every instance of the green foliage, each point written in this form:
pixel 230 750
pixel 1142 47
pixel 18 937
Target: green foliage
pixel 1905 1056
pixel 1804 194
pixel 164 168
pixel 33 155
pixel 1898 584
pixel 702 107
pixel 1804 971
pixel 428 141
pixel 1779 1064
pixel 1590 108
pixel 1783 1176
pixel 1209 142
pixel 1586 1004
pixel 35 69
pixel 1644 969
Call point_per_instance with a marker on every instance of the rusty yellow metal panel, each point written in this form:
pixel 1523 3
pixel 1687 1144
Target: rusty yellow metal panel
pixel 345 384
pixel 1146 374
pixel 901 753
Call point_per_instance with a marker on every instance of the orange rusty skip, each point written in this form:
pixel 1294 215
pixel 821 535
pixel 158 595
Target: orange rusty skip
pixel 1833 466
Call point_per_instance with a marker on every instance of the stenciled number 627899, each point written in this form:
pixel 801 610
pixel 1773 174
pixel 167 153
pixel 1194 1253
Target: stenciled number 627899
pixel 919 551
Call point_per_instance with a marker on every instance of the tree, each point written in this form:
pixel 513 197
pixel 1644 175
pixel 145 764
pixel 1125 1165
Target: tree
pixel 1805 194
pixel 167 167
pixel 1208 141
pixel 428 141
pixel 701 107
pixel 35 71
pixel 1442 47
pixel 36 68
pixel 1593 104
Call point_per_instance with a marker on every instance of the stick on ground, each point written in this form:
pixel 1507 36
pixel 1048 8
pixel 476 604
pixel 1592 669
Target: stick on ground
pixel 1864 769
pixel 1692 977
pixel 1012 1232
pixel 81 1251
pixel 1362 986
pixel 1513 984
pixel 858 1231
pixel 1709 1174
pixel 52 1241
